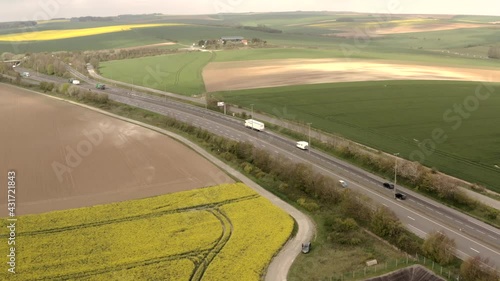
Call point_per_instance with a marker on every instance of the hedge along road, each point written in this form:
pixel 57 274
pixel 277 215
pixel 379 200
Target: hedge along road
pixel 280 265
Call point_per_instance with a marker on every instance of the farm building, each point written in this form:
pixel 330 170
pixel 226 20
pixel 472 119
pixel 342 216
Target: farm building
pixel 233 39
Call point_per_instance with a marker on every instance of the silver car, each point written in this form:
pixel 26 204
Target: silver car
pixel 306 247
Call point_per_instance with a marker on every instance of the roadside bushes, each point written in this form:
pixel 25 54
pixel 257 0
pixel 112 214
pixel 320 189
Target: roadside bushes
pixel 439 247
pixel 494 52
pixel 474 268
pixel 308 205
pixel 344 231
pixel 75 92
pixel 47 86
pixel 427 180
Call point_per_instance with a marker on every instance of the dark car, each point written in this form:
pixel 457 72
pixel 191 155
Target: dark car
pixel 306 247
pixel 388 185
pixel 400 196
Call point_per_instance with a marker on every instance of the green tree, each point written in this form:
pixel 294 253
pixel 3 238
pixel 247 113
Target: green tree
pixel 385 223
pixel 49 69
pixel 439 247
pixel 94 62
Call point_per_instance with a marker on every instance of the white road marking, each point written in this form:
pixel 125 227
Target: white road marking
pixel 474 250
pixel 480 231
pixel 411 218
pixel 418 230
pixel 492 237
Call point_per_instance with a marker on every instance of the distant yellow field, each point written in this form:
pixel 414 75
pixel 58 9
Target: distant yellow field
pixel 404 22
pixel 71 33
pixel 51 21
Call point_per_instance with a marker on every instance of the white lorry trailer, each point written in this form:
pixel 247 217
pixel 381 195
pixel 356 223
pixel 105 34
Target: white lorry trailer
pixel 254 124
pixel 304 145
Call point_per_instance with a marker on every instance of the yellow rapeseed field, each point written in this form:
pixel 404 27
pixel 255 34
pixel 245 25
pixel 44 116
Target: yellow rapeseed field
pixel 259 232
pixel 72 33
pixel 52 21
pixel 171 237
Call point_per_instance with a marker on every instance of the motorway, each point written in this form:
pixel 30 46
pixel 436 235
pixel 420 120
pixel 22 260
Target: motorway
pixel 420 214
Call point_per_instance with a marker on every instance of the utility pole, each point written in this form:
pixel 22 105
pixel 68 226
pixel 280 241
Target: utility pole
pixel 395 172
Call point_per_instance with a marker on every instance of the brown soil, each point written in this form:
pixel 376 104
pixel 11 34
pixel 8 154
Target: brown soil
pixel 426 28
pixel 109 160
pixel 224 76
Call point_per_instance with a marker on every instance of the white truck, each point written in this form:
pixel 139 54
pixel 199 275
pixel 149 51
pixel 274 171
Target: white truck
pixel 74 81
pixel 304 145
pixel 254 124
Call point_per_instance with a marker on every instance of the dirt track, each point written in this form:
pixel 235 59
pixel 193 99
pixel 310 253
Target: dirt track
pixel 224 76
pixel 66 156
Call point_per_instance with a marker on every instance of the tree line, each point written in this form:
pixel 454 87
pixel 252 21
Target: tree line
pixel 423 179
pixel 494 52
pixel 17 24
pixel 261 28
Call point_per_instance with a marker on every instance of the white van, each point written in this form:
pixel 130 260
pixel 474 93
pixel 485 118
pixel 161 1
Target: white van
pixel 304 145
pixel 343 183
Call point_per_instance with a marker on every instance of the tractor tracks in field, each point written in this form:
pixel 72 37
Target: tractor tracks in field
pixel 153 214
pixel 227 231
pixel 126 266
pixel 201 259
pixel 179 71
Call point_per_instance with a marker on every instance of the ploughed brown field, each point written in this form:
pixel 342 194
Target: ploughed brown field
pixel 66 156
pixel 237 75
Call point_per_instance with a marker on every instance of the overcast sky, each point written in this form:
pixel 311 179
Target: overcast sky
pixel 13 10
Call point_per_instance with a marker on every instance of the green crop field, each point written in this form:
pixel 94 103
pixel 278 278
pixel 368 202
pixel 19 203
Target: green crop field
pixel 217 232
pixel 400 116
pixel 178 73
pixel 181 73
pixel 411 56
